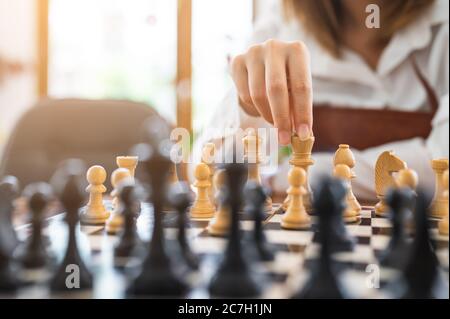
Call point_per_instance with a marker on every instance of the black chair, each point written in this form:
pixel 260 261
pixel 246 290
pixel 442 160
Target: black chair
pixel 95 131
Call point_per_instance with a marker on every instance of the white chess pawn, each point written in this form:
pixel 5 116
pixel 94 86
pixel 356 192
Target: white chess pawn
pixel 344 173
pixel 220 224
pixel 208 154
pixel 443 224
pixel 202 207
pixel 344 155
pixel 296 216
pixel 115 221
pixel 95 212
pixel 407 178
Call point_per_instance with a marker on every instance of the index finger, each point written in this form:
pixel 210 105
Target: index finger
pixel 277 91
pixel 300 85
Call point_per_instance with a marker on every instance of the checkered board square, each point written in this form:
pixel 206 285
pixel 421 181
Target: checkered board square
pixel 295 254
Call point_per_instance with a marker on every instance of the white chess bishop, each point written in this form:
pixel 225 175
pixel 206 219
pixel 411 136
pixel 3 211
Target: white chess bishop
pixel 220 224
pixel 345 156
pixel 344 173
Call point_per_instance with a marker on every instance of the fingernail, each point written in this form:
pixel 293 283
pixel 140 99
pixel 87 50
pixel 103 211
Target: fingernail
pixel 303 132
pixel 284 137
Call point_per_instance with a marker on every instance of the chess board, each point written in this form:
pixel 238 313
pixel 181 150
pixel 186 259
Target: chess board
pixel 295 255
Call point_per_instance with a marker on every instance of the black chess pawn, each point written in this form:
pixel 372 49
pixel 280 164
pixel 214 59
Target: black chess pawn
pixel 323 282
pixel 421 278
pixel 256 198
pixel 233 277
pixel 341 241
pixel 181 199
pixel 398 249
pixel 157 276
pixel 34 253
pixel 8 240
pixel 8 279
pixel 130 244
pixel 72 274
pixel 9 191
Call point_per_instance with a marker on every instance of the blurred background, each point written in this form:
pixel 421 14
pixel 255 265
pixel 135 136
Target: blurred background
pixel 170 54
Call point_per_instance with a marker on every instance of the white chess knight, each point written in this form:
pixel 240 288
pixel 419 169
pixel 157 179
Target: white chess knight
pixel 95 212
pixel 296 216
pixel 115 221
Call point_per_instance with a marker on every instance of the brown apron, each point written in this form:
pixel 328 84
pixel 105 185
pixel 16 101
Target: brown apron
pixel 365 128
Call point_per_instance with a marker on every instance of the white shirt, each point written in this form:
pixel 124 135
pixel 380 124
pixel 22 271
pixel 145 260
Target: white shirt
pixel 349 81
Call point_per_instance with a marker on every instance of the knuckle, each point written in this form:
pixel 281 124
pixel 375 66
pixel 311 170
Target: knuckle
pixel 301 87
pixel 276 87
pixel 237 63
pixel 298 47
pixel 254 51
pixel 259 97
pixel 272 44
